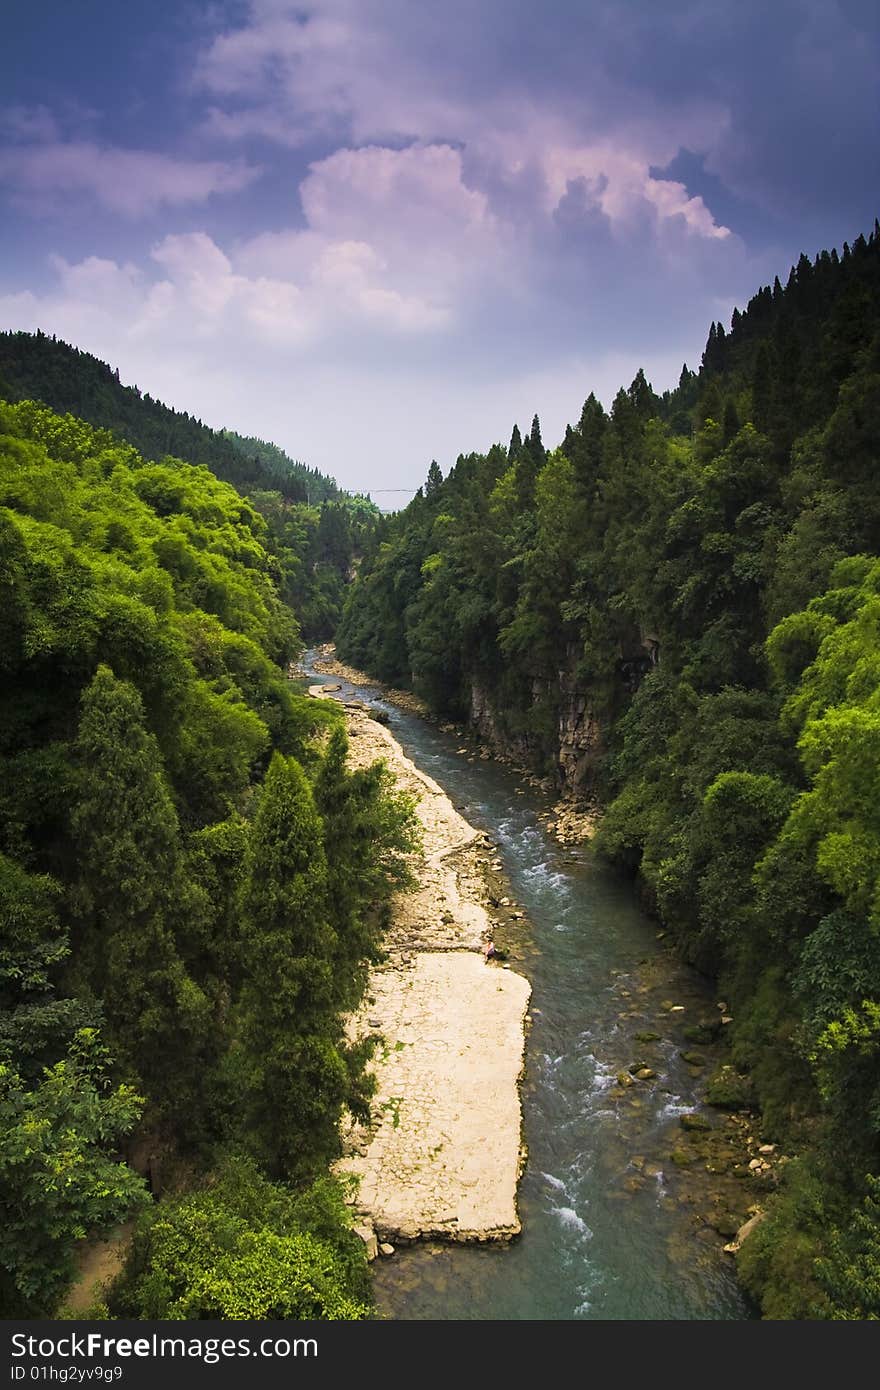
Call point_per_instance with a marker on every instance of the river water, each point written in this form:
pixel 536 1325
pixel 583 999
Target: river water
pixel 612 1228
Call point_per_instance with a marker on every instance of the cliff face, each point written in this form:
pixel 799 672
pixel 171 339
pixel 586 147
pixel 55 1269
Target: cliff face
pixel 573 737
pixel 580 735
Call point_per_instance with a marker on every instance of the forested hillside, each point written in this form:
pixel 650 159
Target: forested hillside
pixel 191 886
pixel 34 366
pixel 316 532
pixel 678 610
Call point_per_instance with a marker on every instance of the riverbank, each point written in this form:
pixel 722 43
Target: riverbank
pixel 571 821
pixel 714 1165
pixel 443 1153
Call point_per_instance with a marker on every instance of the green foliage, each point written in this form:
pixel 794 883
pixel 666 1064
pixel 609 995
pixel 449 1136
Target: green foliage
pixel 850 1273
pixel 681 605
pixel 59 1177
pixel 157 883
pixel 247 1248
pixel 369 832
pixel 778 1262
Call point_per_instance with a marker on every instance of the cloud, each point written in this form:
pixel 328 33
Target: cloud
pixel 765 95
pixel 40 168
pixel 470 211
pixel 28 123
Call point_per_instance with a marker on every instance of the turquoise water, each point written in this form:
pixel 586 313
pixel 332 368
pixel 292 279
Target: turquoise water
pixel 610 1229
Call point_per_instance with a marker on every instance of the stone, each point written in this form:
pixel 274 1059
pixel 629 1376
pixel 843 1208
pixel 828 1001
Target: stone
pixel 647 1037
pixel 726 1223
pixel 681 1158
pixel 645 1074
pixel 693 1059
pixel 624 1079
pixel 767 1149
pixel 744 1231
pixel 749 1226
pixel 368 1236
pixel 704 1032
pixel 728 1089
pixel 694 1123
pixel 386 1249
pixel 677 1009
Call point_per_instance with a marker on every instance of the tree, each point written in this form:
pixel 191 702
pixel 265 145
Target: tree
pixel 368 831
pixel 434 480
pixel 59 1179
pixel 246 1248
pixel 130 893
pixel 294 1070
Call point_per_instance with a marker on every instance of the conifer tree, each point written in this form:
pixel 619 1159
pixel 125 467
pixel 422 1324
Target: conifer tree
pixel 434 480
pixel 131 890
pixel 295 1074
pixel 368 830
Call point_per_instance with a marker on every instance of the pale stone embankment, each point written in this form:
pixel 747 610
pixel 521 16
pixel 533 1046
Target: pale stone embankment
pixel 572 821
pixel 443 1153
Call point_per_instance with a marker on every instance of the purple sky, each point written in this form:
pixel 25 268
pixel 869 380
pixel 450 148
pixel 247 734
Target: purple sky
pixel 379 231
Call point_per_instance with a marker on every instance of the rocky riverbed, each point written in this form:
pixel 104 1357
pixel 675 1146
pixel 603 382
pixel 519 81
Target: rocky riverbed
pixel 443 1153
pixel 713 1164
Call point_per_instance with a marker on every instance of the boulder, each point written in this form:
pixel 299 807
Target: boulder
pixel 704 1032
pixel 728 1089
pixel 744 1232
pixel 694 1123
pixel 368 1236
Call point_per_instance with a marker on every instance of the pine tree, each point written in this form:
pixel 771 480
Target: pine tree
pixel 539 453
pixel 295 1074
pixel 434 480
pixel 131 891
pixel 585 449
pixel 763 386
pixel 368 831
pixel 731 421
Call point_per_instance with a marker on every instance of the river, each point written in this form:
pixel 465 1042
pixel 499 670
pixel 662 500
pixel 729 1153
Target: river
pixel 612 1227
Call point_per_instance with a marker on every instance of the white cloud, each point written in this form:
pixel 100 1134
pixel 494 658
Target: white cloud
pixel 358 192
pixel 130 182
pixel 368 69
pixel 468 252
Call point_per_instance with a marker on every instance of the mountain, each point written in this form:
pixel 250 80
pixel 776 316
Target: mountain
pixel 676 612
pixel 317 532
pixel 34 366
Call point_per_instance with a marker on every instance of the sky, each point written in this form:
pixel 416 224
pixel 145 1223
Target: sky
pixel 378 232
